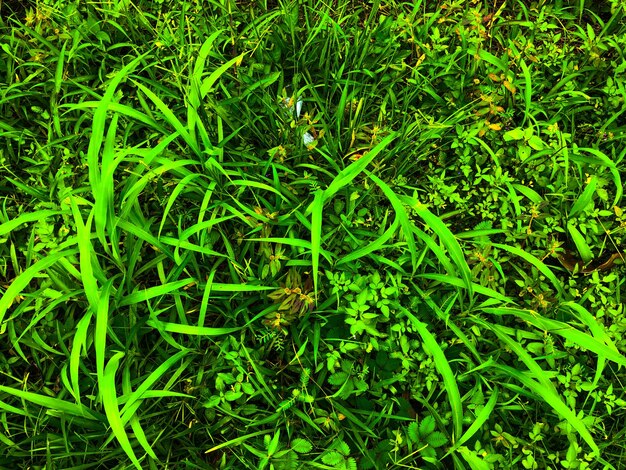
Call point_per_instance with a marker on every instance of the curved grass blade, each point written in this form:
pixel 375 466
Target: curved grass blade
pixel 444 369
pixel 111 408
pixel 156 291
pixel 207 84
pixel 262 186
pixel 103 209
pixel 171 118
pixel 180 187
pixel 34 216
pixel 87 260
pixel 585 198
pixel 543 269
pixel 345 177
pixel 603 160
pixel 296 242
pixel 24 278
pixel 100 334
pixel 78 343
pixel 481 419
pixel 238 440
pixel 581 244
pixel 528 91
pixel 568 332
pixel 554 400
pixel 371 246
pixel 439 252
pixel 401 216
pixel 56 404
pixel 192 330
pixel 445 317
pixel 457 282
pixel 449 242
pixel 317 208
pixel 535 369
pixel 99 120
pixel 154 376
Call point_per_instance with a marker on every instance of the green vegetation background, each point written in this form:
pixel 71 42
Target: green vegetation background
pixel 306 234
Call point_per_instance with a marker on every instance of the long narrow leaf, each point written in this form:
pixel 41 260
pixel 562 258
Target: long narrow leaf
pixel 443 367
pixel 402 217
pixel 449 241
pixel 111 408
pixel 23 279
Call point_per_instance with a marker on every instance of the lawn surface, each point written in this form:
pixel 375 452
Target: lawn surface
pixel 306 234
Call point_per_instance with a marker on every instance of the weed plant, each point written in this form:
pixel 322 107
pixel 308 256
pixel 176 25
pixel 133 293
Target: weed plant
pixel 305 234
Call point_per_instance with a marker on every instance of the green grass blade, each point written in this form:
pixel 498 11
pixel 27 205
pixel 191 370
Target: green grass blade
pixel 33 216
pixel 149 382
pixel 295 242
pixel 585 198
pixel 371 246
pixel 481 419
pixel 564 330
pixel 449 242
pixel 600 158
pixel 87 263
pixel 99 120
pixel 55 404
pixel 345 177
pixel 192 330
pixel 105 195
pixel 24 278
pixel 156 291
pixel 238 440
pixel 207 84
pixel 528 91
pixel 317 209
pixel 111 408
pixel 79 342
pixel 100 334
pixel 537 263
pixel 444 369
pixel 535 369
pixel 554 400
pixel 171 119
pixel 581 244
pixel 402 217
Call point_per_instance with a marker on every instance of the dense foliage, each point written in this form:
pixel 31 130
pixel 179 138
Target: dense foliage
pixel 306 234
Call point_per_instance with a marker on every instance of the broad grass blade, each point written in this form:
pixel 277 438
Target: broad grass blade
pixel 444 369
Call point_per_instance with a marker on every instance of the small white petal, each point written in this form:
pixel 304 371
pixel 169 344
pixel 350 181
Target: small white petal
pixel 298 107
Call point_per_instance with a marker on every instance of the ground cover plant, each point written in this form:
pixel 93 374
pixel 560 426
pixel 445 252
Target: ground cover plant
pixel 305 234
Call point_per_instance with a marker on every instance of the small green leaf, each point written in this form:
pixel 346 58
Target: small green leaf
pixel 232 395
pixel 536 143
pixel 212 402
pixel 585 198
pixel 343 448
pixel 514 134
pixel 338 378
pixel 350 464
pixel 332 458
pixel 273 445
pixel 413 432
pixel 436 439
pixel 475 462
pixel 301 446
pixel 581 244
pixel 427 426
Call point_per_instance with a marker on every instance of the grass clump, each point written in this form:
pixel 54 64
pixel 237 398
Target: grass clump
pixel 290 235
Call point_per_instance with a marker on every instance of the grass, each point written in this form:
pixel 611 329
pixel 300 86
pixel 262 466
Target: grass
pixel 302 235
